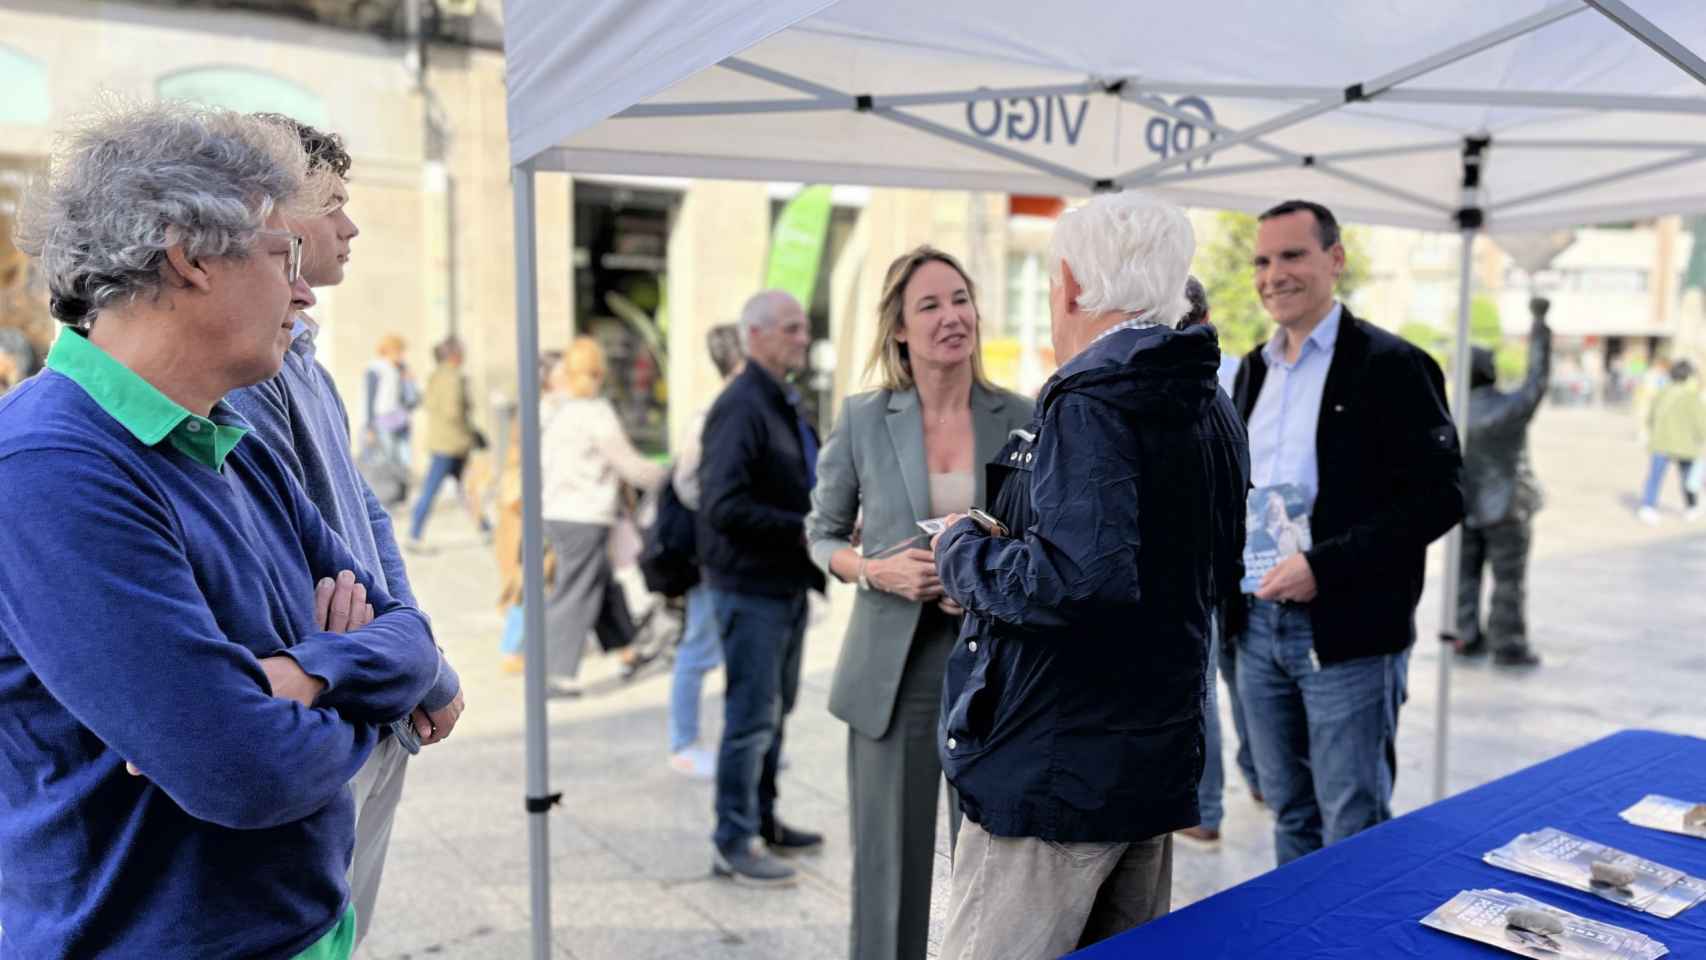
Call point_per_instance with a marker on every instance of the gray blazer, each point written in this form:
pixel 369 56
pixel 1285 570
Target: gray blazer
pixel 874 459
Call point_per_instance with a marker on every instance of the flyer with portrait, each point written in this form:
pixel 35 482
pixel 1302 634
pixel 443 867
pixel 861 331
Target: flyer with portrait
pixel 1276 525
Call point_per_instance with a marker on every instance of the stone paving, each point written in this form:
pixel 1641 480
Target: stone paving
pixel 1615 608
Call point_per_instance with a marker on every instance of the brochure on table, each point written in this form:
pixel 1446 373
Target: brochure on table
pixel 1530 928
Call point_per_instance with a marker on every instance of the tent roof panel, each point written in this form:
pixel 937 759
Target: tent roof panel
pixel 761 61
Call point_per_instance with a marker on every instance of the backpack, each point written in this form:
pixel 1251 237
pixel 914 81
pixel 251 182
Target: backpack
pixel 669 559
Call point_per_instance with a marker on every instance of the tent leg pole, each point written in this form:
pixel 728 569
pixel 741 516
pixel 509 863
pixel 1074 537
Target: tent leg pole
pixel 539 800
pixel 1469 219
pixel 1453 540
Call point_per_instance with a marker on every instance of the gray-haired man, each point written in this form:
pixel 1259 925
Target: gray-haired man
pixel 759 464
pixel 181 711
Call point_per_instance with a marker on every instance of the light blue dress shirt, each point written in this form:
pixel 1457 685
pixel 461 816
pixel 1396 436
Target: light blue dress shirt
pixel 1282 425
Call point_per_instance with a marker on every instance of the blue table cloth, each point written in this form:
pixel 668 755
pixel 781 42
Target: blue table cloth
pixel 1365 897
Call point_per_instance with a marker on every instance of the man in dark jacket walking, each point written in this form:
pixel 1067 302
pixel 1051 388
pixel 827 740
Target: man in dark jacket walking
pixel 758 465
pixel 1501 497
pixel 1072 718
pixel 1355 464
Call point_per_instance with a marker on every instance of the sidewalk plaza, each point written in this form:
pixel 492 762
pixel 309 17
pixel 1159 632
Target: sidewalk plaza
pixel 629 868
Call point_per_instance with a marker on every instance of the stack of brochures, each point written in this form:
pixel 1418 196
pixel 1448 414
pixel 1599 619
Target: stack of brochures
pixel 1669 814
pixel 1529 928
pixel 1606 872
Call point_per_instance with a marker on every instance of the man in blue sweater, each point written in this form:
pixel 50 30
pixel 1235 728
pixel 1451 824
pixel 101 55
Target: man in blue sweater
pixel 299 414
pixel 163 597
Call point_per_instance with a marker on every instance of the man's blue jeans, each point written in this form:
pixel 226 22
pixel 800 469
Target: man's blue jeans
pixel 699 653
pixel 1211 804
pixel 1321 736
pixel 762 637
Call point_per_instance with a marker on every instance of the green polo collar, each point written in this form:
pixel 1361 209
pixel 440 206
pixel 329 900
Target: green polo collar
pixel 138 406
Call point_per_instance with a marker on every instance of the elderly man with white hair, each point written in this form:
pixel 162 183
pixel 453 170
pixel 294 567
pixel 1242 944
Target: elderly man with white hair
pixel 758 465
pixel 1072 721
pixel 181 711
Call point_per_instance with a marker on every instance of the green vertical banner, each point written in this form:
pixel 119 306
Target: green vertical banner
pixel 796 244
pixel 1695 274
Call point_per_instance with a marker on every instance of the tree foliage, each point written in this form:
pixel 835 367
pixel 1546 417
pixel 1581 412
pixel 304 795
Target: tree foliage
pixel 1485 330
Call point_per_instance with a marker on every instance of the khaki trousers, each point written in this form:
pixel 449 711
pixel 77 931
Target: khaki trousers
pixel 378 789
pixel 1020 898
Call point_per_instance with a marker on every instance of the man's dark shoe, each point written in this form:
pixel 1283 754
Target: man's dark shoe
pixel 1472 648
pixel 747 866
pixel 1516 657
pixel 785 840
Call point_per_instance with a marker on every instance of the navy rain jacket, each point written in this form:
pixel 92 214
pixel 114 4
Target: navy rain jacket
pixel 1073 703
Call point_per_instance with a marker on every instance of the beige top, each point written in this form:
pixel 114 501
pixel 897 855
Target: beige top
pixel 583 456
pixel 951 492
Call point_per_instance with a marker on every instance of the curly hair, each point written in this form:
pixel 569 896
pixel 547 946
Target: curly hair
pixel 130 181
pixel 325 151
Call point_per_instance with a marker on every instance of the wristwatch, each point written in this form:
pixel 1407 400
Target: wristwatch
pixel 864 582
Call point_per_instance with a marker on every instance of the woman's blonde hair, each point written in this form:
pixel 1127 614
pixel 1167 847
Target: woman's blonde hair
pixel 584 367
pixel 890 359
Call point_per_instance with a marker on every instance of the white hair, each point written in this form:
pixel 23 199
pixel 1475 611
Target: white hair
pixel 762 311
pixel 1128 252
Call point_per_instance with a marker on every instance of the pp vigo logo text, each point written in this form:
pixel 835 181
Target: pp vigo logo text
pixel 1061 119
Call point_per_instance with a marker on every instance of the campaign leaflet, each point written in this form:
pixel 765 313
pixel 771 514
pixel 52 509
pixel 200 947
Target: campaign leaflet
pixel 1552 854
pixel 1276 526
pixel 1657 812
pixel 1529 928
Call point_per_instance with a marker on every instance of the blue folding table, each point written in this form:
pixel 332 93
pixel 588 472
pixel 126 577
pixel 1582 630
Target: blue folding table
pixel 1365 897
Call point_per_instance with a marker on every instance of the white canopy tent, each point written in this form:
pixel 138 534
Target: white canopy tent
pixel 1456 115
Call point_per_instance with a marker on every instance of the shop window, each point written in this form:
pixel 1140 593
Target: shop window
pixel 621 269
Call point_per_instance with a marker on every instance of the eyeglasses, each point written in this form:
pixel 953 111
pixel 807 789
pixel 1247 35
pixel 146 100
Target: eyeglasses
pixel 293 271
pixel 293 267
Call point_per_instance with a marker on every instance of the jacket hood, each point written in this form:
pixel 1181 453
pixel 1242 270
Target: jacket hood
pixel 1155 371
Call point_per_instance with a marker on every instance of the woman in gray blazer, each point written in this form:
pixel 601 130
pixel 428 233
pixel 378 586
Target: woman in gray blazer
pixel 909 451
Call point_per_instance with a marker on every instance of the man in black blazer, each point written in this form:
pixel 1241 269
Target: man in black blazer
pixel 1349 432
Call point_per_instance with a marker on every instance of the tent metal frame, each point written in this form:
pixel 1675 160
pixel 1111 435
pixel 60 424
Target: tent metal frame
pixel 1469 219
pixel 1144 94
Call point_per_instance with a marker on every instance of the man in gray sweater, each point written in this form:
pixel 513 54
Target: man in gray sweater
pixel 299 414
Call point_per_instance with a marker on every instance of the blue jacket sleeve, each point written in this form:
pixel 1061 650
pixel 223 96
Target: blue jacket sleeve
pixel 381 671
pixel 448 684
pixel 124 639
pixel 1080 558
